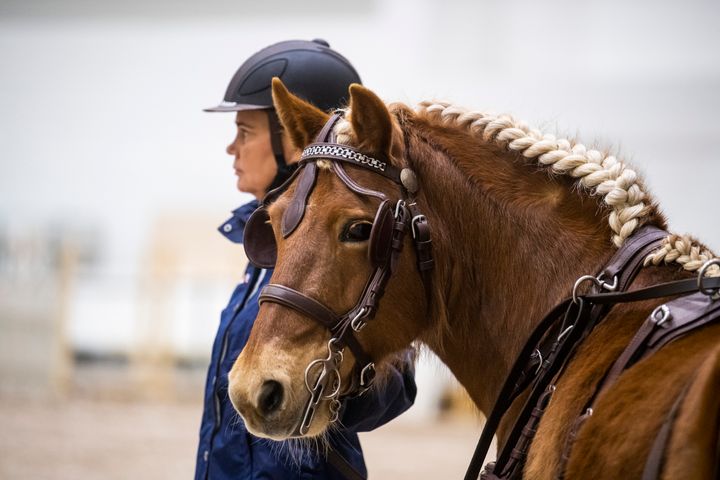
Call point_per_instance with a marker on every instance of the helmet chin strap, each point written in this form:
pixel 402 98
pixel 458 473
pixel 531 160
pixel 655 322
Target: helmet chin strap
pixel 284 171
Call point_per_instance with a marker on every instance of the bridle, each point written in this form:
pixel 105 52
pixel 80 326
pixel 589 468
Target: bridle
pixel 546 352
pixel 392 221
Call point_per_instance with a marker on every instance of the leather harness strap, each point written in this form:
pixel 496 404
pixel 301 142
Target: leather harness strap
pixel 654 462
pixel 539 367
pixel 665 323
pixel 555 339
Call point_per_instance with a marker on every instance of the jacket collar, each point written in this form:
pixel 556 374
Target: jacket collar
pixel 234 228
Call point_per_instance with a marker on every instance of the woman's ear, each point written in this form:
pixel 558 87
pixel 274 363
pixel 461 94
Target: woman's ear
pixel 302 121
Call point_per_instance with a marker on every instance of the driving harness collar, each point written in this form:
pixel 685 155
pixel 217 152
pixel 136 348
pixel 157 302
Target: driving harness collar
pixel 392 221
pixel 556 338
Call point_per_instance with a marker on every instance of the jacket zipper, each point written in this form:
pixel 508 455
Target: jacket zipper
pixel 257 277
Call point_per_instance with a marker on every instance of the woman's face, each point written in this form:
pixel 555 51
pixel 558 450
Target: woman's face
pixel 254 162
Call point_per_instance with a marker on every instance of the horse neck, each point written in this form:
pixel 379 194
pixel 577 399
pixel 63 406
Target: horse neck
pixel 509 242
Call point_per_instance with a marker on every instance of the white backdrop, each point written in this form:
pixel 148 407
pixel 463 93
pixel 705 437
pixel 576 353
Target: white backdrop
pixel 100 103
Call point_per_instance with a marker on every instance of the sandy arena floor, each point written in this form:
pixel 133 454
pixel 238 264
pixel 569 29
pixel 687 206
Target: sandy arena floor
pixel 92 439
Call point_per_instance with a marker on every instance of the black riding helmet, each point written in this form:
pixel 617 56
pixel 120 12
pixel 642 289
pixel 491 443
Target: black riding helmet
pixel 309 69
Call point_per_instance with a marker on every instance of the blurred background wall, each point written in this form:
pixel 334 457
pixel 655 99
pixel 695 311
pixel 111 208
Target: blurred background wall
pixel 112 180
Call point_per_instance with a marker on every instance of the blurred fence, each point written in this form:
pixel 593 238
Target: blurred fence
pixel 36 274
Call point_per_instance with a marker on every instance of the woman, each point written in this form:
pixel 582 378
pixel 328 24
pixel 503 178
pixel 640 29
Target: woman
pixel 263 159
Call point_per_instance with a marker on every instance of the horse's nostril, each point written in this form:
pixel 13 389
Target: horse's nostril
pixel 270 398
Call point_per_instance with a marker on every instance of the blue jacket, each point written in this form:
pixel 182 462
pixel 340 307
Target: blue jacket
pixel 226 449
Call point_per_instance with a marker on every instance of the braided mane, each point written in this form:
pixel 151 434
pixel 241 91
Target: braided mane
pixel 599 174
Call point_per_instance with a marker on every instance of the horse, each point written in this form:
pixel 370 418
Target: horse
pixel 515 216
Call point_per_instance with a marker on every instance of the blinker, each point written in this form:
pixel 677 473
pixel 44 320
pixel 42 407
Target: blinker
pixel 381 234
pixel 259 240
pixel 261 248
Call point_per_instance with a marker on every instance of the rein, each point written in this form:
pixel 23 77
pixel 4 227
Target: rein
pixel 392 221
pixel 553 342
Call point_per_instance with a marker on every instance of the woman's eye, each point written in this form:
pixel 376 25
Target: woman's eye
pixel 356 232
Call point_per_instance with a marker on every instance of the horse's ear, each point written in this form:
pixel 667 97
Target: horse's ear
pixel 370 120
pixel 302 121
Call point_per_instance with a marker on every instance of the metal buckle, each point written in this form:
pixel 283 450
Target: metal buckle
pixel 417 219
pixel 598 281
pixel 368 370
pixel 660 315
pixel 400 205
pixel 538 354
pixel 713 294
pixel 358 322
pixel 606 286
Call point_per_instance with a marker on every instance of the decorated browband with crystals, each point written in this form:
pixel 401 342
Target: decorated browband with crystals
pixel 344 153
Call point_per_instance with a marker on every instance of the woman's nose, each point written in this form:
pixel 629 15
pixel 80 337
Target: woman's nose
pixel 231 149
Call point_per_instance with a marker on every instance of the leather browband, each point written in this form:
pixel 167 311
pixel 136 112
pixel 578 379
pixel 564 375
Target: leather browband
pixel 348 154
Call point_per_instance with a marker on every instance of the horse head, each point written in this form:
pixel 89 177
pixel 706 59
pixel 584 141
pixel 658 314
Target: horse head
pixel 335 234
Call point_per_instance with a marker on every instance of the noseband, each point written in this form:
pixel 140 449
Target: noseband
pixel 392 220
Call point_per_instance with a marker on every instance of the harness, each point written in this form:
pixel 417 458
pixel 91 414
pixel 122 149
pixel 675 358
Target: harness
pixel 392 220
pixel 556 338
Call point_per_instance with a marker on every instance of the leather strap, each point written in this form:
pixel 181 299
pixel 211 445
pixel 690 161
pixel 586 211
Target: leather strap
pixel 296 208
pixel 618 275
pixel 623 265
pixel 509 392
pixel 628 259
pixel 679 317
pixel 686 314
pixel 353 185
pixel 570 441
pixel 298 301
pixel 577 314
pixel 668 289
pixel 315 310
pixel 654 462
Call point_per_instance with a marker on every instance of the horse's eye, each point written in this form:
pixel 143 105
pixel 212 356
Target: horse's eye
pixel 358 231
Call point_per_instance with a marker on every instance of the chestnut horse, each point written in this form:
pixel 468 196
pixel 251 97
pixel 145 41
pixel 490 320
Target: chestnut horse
pixel 516 217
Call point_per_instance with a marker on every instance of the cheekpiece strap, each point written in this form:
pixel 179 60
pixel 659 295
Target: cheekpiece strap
pixel 326 134
pixel 296 209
